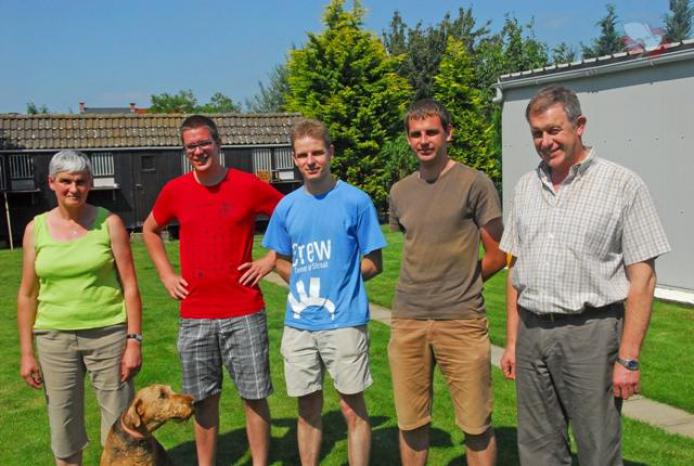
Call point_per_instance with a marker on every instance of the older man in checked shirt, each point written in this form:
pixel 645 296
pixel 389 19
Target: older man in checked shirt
pixel 584 236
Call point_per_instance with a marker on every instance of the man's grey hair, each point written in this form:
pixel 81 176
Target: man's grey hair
pixel 551 95
pixel 69 161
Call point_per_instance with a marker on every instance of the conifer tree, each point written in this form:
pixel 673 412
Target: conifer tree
pixel 344 77
pixel 678 23
pixel 454 87
pixel 609 41
pixel 271 97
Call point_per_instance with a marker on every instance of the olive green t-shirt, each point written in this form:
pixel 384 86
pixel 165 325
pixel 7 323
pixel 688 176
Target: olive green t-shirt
pixel 440 273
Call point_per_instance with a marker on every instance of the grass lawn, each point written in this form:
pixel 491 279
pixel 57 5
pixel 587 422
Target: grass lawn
pixel 666 352
pixel 24 426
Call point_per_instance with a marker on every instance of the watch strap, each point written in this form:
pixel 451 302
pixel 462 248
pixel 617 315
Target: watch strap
pixel 629 364
pixel 134 336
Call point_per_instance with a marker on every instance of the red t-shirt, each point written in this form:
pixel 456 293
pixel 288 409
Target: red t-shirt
pixel 216 236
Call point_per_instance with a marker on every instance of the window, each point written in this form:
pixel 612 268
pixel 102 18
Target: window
pixel 282 159
pixel 103 169
pixel 102 164
pixel 273 164
pixel 262 163
pixel 148 163
pixel 22 173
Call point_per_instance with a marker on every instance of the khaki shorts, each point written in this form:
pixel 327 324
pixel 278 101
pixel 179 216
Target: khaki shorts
pixel 65 357
pixel 344 352
pixel 462 350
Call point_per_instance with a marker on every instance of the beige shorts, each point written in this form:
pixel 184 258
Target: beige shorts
pixel 65 357
pixel 344 352
pixel 462 350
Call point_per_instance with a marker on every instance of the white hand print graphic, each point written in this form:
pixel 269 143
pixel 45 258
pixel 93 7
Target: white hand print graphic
pixel 312 299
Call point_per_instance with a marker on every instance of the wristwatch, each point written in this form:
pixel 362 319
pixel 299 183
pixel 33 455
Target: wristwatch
pixel 134 336
pixel 630 364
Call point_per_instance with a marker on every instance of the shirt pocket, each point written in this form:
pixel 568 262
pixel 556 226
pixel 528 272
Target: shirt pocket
pixel 594 229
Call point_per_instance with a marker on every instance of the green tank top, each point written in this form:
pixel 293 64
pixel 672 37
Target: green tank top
pixel 78 283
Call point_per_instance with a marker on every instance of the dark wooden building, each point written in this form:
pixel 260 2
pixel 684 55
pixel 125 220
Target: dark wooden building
pixel 132 157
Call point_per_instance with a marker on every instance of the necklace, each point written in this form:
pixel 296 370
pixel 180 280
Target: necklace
pixel 71 227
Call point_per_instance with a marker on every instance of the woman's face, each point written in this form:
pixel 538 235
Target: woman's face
pixel 71 188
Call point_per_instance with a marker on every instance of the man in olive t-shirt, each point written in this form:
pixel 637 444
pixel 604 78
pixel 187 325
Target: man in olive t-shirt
pixel 443 209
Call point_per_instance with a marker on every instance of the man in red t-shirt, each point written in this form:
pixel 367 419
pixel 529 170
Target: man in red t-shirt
pixel 222 310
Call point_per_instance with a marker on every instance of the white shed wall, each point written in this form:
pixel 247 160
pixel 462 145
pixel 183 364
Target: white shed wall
pixel 643 119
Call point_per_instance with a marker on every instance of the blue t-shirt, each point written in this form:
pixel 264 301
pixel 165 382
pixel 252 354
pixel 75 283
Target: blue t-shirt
pixel 325 236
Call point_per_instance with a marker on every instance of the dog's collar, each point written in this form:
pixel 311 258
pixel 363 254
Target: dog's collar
pixel 133 434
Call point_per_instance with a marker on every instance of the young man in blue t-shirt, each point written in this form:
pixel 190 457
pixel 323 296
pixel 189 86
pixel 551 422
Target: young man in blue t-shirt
pixel 328 242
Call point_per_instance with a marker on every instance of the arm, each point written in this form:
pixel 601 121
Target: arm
pixel 27 303
pixel 508 360
pixel 173 282
pixel 120 246
pixel 637 316
pixel 283 266
pixel 393 221
pixel 494 259
pixel 256 270
pixel 371 264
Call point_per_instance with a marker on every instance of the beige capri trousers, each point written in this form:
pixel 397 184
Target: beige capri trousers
pixel 65 357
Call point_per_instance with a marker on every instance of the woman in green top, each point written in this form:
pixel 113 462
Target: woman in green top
pixel 79 302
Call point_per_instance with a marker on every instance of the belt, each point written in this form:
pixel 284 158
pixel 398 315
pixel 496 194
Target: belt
pixel 588 312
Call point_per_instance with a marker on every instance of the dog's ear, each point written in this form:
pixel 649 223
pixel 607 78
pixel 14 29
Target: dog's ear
pixel 133 417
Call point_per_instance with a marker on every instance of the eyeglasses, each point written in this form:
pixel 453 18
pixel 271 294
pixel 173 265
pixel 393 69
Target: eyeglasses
pixel 190 148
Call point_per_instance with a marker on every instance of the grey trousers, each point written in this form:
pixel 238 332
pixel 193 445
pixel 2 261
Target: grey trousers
pixel 564 375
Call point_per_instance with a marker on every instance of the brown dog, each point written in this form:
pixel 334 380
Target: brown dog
pixel 130 441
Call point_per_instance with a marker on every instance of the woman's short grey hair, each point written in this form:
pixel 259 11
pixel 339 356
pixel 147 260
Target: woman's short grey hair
pixel 69 161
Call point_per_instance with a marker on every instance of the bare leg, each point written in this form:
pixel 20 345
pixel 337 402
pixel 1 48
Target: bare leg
pixel 480 450
pixel 74 460
pixel 310 428
pixel 258 430
pixel 206 428
pixel 358 428
pixel 414 446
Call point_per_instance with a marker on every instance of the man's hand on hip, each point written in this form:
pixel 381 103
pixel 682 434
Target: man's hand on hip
pixel 176 286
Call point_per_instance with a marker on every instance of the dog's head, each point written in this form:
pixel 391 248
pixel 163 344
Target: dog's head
pixel 154 405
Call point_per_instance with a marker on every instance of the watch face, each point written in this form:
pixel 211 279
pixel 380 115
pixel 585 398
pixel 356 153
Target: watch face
pixel 631 364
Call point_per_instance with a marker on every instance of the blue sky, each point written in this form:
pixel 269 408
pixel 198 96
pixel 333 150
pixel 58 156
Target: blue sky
pixel 109 53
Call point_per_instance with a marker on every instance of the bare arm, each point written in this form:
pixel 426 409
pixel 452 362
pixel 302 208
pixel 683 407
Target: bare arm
pixel 27 304
pixel 256 270
pixel 494 259
pixel 172 281
pixel 371 264
pixel 508 360
pixel 120 246
pixel 283 266
pixel 637 316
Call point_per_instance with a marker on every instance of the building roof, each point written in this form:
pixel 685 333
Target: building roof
pixel 664 53
pixel 131 108
pixel 88 131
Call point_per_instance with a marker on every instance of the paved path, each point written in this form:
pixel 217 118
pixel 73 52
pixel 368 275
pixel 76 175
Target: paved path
pixel 672 420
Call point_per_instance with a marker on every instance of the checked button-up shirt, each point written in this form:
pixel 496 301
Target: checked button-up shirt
pixel 573 244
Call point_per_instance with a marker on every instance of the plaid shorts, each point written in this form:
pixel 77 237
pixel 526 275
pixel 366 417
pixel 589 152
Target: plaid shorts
pixel 240 343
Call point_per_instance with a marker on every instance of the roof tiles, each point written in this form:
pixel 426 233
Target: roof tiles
pixel 89 131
